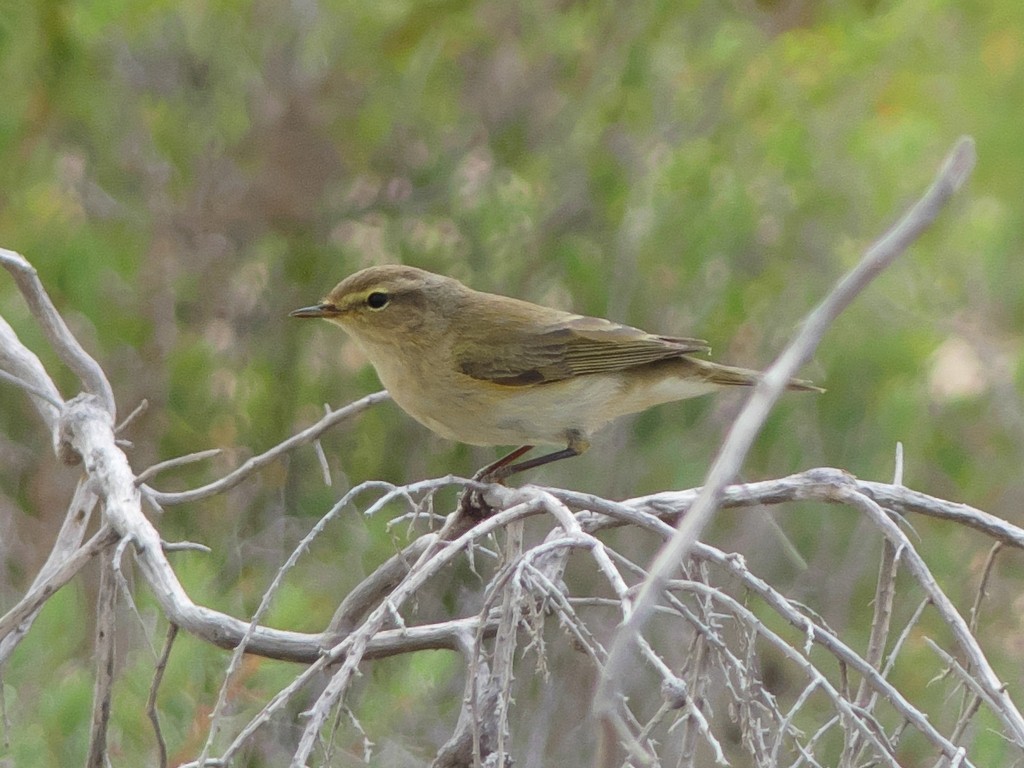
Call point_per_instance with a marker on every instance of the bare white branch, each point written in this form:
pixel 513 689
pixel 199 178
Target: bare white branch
pixel 93 379
pixel 25 368
pixel 42 394
pixel 178 461
pixel 66 559
pixel 256 463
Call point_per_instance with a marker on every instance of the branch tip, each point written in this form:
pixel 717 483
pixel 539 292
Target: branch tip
pixel 960 162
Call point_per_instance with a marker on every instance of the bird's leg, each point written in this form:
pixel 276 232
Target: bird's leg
pixel 502 469
pixel 505 470
pixel 471 501
pixel 492 470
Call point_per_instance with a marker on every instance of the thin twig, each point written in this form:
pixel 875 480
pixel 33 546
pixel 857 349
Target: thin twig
pixel 881 624
pixel 974 702
pixel 986 574
pixel 19 361
pixel 104 684
pixel 140 409
pixel 372 590
pixel 179 461
pixel 969 680
pixel 31 389
pixel 318 448
pixel 321 457
pixel 885 593
pixel 903 636
pixel 255 463
pixel 881 621
pixel 47 587
pixel 154 688
pixel 184 546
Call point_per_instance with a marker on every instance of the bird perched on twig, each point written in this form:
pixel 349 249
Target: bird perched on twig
pixel 492 370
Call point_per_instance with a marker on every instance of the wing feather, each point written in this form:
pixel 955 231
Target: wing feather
pixel 576 347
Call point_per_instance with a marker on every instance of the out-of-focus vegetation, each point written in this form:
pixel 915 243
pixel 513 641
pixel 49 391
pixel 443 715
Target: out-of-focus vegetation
pixel 184 174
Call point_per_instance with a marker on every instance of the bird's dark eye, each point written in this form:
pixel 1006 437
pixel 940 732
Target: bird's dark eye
pixel 377 300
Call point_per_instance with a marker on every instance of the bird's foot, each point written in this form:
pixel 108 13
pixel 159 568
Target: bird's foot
pixel 471 501
pixel 473 506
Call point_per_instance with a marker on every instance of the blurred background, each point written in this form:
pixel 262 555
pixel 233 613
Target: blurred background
pixel 183 175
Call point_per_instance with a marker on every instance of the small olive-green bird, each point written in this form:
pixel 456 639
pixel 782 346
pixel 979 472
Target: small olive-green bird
pixel 492 370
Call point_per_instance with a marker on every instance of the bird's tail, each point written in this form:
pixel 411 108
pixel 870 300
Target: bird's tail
pixel 728 375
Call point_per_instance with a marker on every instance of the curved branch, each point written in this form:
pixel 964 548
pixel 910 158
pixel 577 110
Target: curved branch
pixel 819 484
pixel 66 558
pixel 46 587
pixel 61 339
pixel 21 363
pixel 232 479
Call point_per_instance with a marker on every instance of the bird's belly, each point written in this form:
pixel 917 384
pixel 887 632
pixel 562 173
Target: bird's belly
pixel 483 413
pixel 491 414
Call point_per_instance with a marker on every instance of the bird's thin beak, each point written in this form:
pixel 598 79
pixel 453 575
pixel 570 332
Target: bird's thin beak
pixel 319 310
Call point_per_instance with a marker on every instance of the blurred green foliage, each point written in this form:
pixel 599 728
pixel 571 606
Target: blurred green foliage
pixel 184 174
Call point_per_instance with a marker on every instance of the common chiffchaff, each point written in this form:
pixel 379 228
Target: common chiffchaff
pixel 491 370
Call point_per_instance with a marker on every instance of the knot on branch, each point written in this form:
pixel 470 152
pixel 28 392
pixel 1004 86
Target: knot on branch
pixel 80 410
pixel 827 483
pixel 674 692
